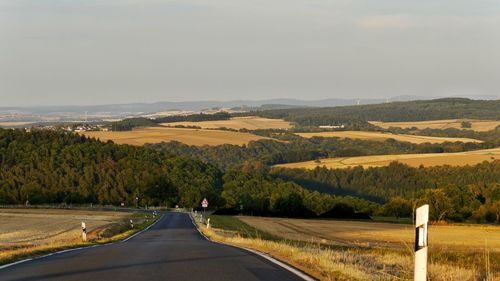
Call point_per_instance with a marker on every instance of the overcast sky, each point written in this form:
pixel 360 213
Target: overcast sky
pixel 120 51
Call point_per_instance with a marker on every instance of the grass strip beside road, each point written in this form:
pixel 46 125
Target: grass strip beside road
pixel 113 233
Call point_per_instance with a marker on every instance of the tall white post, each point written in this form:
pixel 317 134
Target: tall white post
pixel 421 222
pixel 84 232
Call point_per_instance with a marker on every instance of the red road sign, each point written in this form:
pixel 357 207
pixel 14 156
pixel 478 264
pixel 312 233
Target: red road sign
pixel 204 203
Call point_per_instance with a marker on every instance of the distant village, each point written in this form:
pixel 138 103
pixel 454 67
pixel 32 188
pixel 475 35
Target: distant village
pixel 74 128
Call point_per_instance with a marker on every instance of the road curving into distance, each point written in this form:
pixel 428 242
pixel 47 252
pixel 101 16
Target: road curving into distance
pixel 172 249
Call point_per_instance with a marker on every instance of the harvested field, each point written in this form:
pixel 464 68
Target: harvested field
pixel 25 230
pixel 187 136
pixel 348 250
pixel 476 125
pixel 14 124
pixel 249 123
pixel 414 160
pixel 379 136
pixel 374 234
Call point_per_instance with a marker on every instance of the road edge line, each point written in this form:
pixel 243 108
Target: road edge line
pixel 137 233
pixel 282 264
pixel 76 249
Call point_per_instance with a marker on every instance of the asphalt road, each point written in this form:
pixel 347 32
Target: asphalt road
pixel 170 250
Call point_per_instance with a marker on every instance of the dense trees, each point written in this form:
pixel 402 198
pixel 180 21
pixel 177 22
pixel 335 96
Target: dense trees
pixel 260 194
pixel 56 167
pixel 194 117
pixel 53 167
pixel 455 193
pixel 130 123
pixel 292 148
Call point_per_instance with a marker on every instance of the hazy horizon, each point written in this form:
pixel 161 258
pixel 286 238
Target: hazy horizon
pixel 92 52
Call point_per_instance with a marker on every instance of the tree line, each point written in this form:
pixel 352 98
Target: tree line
pixel 356 117
pixel 292 148
pixel 455 193
pixel 57 167
pixel 130 123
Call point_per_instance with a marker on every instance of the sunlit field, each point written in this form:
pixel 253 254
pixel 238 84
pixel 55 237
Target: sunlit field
pixel 414 160
pixel 28 230
pixel 188 136
pixel 379 136
pixel 476 125
pixel 249 123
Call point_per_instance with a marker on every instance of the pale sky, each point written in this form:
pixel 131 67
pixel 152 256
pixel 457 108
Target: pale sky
pixel 55 52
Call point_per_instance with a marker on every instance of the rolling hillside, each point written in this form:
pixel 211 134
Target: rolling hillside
pixel 414 160
pixel 378 136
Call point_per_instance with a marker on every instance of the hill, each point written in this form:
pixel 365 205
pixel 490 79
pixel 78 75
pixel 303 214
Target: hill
pixel 379 136
pixel 470 124
pixel 358 116
pixel 237 123
pixel 414 160
pixel 198 137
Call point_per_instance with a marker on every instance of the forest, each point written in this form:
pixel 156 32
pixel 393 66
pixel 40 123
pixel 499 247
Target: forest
pixel 57 167
pixel 45 167
pixel 292 148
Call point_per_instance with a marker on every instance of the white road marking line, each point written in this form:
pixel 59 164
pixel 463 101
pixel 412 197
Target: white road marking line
pixel 267 257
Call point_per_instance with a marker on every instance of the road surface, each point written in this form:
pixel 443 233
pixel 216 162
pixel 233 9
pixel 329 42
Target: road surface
pixel 170 250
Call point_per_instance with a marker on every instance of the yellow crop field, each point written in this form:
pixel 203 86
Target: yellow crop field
pixel 379 136
pixel 187 136
pixel 14 124
pixel 476 125
pixel 375 234
pixel 414 160
pixel 27 230
pixel 249 123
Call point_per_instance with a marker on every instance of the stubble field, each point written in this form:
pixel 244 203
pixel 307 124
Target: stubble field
pixel 379 136
pixel 476 125
pixel 249 123
pixel 375 234
pixel 27 230
pixel 164 134
pixel 414 160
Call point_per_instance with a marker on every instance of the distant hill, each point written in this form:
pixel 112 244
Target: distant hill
pixel 421 110
pixel 139 108
pixel 120 111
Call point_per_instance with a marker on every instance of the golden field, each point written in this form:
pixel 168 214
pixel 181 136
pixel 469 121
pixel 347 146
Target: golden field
pixel 163 134
pixel 379 136
pixel 237 123
pixel 375 234
pixel 317 248
pixel 27 230
pixel 477 125
pixel 14 124
pixel 414 160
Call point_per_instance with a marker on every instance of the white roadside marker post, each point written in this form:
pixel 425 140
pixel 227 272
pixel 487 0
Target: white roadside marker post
pixel 131 224
pixel 421 232
pixel 208 223
pixel 84 232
